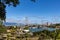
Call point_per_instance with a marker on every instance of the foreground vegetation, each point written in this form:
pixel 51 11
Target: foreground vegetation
pixel 54 35
pixel 40 35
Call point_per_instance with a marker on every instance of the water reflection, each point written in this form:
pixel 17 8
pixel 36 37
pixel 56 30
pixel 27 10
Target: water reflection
pixel 35 29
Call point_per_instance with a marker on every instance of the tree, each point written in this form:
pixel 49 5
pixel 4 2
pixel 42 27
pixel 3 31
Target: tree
pixel 3 4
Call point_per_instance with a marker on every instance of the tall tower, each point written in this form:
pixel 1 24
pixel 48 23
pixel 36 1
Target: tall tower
pixel 26 20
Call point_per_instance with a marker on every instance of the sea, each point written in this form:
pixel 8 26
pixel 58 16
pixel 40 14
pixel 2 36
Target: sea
pixel 36 29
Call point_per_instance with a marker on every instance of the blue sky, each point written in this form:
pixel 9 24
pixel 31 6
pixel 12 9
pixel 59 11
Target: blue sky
pixel 40 10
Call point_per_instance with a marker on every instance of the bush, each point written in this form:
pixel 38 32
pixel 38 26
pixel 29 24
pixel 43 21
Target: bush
pixel 2 29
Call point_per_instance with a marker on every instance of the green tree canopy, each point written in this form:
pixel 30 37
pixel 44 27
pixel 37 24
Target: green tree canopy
pixel 3 4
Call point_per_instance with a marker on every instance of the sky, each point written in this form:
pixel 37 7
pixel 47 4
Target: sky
pixel 41 10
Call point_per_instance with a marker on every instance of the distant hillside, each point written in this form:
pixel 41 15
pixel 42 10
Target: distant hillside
pixel 58 24
pixel 13 24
